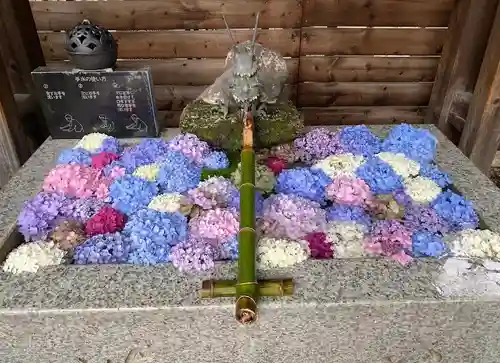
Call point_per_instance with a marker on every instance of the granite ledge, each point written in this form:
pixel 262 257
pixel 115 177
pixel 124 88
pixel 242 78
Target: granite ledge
pixel 317 282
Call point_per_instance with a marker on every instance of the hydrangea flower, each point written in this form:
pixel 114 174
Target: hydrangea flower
pixel 102 249
pixel 214 225
pixel 159 227
pixel 319 246
pixel 81 209
pixel 110 145
pixel 130 193
pixel 38 216
pixel 171 203
pixel 107 220
pixel 317 144
pixel 392 239
pixel 418 217
pixel 475 243
pixel 291 216
pixel 146 152
pixel 359 140
pixel 145 251
pixel 379 176
pixel 286 152
pixel 277 165
pixel 432 172
pixel 404 167
pixel 346 213
pixel 234 202
pixel 340 165
pixel 426 244
pixel 192 255
pixel 178 174
pixel 304 182
pixel 416 143
pixel 30 257
pixel 148 172
pixel 103 159
pixel 422 190
pixel 276 253
pixel 92 142
pixel 349 191
pixel 228 250
pixel 213 192
pixel 264 178
pixel 68 234
pixel 74 156
pixel 191 146
pixel 347 238
pixel 456 211
pixel 114 170
pixel 216 160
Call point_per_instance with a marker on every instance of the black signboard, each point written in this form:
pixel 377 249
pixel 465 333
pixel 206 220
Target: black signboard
pixel 118 102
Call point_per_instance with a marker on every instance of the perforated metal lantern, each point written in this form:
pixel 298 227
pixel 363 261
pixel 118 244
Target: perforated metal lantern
pixel 91 46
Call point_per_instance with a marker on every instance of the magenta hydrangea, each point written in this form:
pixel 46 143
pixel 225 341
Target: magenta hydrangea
pixel 291 216
pixel 214 225
pixel 317 144
pixel 349 191
pixel 391 239
pixel 191 146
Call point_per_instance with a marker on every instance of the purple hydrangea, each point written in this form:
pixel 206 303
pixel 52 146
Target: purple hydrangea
pixel 304 182
pixel 390 238
pixel 359 140
pixel 130 193
pixel 75 156
pixel 379 176
pixel 456 211
pixel 415 143
pixel 402 198
pixel 216 160
pixel 426 244
pixel 159 227
pixel 345 213
pixel 419 217
pixel 193 255
pixel 39 215
pixel 191 146
pixel 81 209
pixel 102 249
pixel 317 144
pixel 178 174
pixel 213 192
pixel 110 145
pixel 291 216
pixel 432 172
pixel 215 225
pixel 234 202
pixel 228 250
pixel 146 152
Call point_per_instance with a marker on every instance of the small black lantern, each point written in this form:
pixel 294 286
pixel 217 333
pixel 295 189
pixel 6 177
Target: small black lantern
pixel 91 47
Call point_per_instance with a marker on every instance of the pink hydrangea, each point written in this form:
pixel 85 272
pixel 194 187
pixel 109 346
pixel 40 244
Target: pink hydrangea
pixel 191 146
pixel 77 181
pixel 390 238
pixel 349 191
pixel 214 225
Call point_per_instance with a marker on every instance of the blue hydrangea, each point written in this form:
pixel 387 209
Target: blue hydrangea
pixel 305 182
pixel 111 145
pixel 432 172
pixel 75 156
pixel 146 152
pixel 229 249
pixel 103 248
pixel 145 251
pixel 346 213
pixel 130 193
pixel 379 176
pixel 216 160
pixel 359 140
pixel 234 202
pixel 415 143
pixel 426 244
pixel 159 227
pixel 178 173
pixel 458 212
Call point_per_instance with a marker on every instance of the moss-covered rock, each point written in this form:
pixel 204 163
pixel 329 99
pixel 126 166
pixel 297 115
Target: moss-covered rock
pixel 282 124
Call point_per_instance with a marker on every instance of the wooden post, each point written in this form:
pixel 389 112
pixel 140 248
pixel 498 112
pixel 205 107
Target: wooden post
pixel 460 63
pixel 481 134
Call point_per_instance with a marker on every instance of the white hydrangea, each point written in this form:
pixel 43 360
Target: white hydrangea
pixel 422 190
pixel 29 257
pixel 474 243
pixel 275 253
pixel 148 172
pixel 170 203
pixel 91 142
pixel 404 167
pixel 347 238
pixel 340 165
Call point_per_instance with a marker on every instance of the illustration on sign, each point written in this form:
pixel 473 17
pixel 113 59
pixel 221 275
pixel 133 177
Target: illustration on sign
pixel 137 124
pixel 106 125
pixel 72 125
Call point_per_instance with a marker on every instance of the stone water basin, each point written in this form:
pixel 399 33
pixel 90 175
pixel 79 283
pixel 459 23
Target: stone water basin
pixel 343 311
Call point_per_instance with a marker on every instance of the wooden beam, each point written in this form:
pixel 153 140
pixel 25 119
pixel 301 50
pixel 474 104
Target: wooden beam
pixel 460 63
pixel 481 134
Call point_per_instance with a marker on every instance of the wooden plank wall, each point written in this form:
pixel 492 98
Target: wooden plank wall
pixel 350 61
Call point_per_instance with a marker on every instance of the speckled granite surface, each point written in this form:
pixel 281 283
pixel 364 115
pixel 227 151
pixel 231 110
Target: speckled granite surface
pixel 343 310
